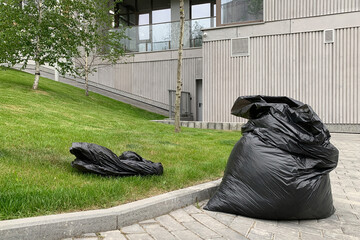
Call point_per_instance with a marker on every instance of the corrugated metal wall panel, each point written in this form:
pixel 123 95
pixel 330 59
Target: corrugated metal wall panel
pixel 154 79
pixel 105 75
pixel 151 79
pixel 189 76
pixel 301 66
pixel 346 73
pixel 284 9
pixel 123 77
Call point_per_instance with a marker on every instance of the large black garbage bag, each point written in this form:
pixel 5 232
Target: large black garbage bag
pixel 97 159
pixel 280 168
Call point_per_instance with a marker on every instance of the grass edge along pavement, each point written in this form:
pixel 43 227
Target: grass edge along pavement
pixel 74 224
pixel 38 127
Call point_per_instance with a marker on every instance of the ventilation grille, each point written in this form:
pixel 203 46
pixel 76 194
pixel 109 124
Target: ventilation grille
pixel 240 46
pixel 329 36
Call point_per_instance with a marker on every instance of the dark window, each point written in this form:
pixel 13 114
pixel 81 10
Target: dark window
pixel 143 6
pixel 240 11
pixel 203 14
pixel 131 12
pixel 160 4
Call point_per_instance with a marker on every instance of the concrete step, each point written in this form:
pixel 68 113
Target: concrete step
pixel 231 126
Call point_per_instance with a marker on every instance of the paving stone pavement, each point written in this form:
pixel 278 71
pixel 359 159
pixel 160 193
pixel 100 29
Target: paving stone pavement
pixel 193 222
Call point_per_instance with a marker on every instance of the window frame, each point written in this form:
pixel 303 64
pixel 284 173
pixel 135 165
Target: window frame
pixel 212 12
pixel 218 17
pixel 135 10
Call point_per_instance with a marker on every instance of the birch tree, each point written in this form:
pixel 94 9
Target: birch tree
pixel 101 45
pixel 50 31
pixel 179 66
pixel 44 31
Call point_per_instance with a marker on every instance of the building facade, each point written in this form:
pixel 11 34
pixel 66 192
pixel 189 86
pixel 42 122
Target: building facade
pixel 305 49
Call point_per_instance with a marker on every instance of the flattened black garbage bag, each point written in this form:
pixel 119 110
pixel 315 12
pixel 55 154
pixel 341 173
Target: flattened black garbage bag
pixel 97 159
pixel 280 168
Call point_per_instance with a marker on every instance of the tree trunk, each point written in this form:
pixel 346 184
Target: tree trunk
pixel 37 63
pixel 37 75
pixel 56 73
pixel 86 74
pixel 179 81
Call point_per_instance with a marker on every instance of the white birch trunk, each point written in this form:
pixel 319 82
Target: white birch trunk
pixel 56 73
pixel 86 74
pixel 37 63
pixel 179 81
pixel 37 75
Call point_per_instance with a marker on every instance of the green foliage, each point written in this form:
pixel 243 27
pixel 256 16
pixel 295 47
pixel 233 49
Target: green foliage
pixel 56 31
pixel 100 43
pixel 43 32
pixel 38 127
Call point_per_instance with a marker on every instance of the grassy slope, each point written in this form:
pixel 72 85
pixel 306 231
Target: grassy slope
pixel 38 127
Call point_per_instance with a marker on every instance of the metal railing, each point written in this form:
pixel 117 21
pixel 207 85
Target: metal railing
pixel 185 105
pixel 165 36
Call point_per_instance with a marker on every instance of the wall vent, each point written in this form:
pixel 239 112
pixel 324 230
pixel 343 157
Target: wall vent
pixel 329 35
pixel 240 47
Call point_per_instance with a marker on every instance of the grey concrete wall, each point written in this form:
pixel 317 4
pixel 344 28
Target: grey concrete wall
pixel 308 24
pixel 287 58
pixel 150 75
pixel 275 10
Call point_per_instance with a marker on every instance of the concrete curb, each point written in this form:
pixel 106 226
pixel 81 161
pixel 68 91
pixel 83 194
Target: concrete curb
pixel 235 126
pixel 231 126
pixel 74 224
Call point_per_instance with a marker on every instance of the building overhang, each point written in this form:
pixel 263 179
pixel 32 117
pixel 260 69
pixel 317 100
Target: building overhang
pixel 309 24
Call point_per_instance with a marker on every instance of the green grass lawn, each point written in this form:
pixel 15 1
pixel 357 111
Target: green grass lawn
pixel 38 127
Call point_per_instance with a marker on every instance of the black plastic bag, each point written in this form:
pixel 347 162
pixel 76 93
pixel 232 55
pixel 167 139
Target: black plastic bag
pixel 280 168
pixel 93 158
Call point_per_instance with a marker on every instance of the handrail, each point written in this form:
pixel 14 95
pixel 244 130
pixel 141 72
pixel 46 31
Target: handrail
pixel 163 36
pixel 144 25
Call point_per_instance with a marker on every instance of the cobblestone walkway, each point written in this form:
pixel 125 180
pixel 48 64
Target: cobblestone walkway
pixel 193 222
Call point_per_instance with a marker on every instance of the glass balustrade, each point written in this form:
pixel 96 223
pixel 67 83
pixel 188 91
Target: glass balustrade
pixel 165 36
